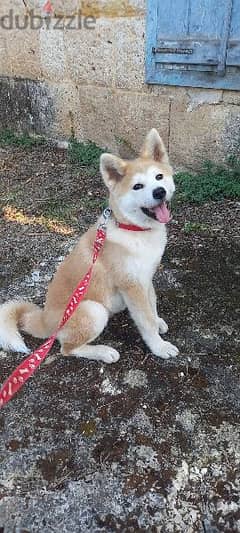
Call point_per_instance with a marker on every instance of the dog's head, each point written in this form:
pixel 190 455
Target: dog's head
pixel 140 189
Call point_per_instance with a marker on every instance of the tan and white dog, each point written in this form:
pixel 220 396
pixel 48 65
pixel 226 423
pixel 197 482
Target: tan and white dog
pixel 122 277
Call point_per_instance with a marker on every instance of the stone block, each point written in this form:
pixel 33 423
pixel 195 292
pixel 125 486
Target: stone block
pixel 117 121
pixel 37 5
pixel 90 54
pixel 112 8
pixel 129 53
pixel 5 65
pixel 200 134
pixel 6 104
pixel 52 54
pixel 23 53
pixel 94 116
pixel 135 114
pixel 199 97
pixel 17 6
pixel 231 131
pixel 60 7
pixel 65 98
pixel 231 97
pixel 26 106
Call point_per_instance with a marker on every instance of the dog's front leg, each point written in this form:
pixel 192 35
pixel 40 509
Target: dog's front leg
pixel 138 302
pixel 162 326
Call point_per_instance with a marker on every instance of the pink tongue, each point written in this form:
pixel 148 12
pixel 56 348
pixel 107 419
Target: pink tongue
pixel 162 213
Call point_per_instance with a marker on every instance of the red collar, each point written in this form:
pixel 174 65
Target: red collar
pixel 131 227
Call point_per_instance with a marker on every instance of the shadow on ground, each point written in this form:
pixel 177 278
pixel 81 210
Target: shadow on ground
pixel 143 445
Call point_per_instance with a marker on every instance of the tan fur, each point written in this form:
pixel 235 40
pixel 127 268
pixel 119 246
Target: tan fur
pixel 11 314
pixel 122 276
pixel 33 323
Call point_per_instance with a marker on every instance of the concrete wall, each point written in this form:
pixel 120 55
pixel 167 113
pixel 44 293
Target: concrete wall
pixel 91 81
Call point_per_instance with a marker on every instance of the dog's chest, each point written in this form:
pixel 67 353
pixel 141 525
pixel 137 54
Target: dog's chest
pixel 143 253
pixel 143 262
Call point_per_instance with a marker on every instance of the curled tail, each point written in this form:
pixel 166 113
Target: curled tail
pixel 25 316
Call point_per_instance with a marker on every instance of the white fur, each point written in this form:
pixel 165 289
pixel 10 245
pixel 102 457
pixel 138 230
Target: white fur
pixel 97 353
pixel 10 338
pixel 146 250
pixel 130 203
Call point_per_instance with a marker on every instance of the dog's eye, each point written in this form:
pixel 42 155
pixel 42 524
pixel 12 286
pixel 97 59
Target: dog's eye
pixel 138 186
pixel 159 177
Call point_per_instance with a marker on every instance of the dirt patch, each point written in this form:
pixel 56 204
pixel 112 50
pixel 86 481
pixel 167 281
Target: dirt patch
pixel 144 444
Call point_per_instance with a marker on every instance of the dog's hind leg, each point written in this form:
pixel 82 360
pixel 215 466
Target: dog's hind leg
pixel 98 352
pixel 87 323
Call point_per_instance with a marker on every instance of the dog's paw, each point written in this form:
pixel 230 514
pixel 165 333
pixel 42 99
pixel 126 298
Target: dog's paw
pixel 163 327
pixel 166 350
pixel 108 355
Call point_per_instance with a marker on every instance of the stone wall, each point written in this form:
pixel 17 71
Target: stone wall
pixel 91 82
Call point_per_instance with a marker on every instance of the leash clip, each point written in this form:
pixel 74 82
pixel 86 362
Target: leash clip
pixel 106 215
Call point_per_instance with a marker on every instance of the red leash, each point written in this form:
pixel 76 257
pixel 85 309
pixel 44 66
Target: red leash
pixel 27 368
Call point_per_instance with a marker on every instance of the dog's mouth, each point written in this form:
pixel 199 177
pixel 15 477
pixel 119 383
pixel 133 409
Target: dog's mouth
pixel 160 212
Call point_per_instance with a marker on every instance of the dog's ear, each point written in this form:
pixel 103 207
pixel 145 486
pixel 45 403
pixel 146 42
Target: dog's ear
pixel 112 169
pixel 154 148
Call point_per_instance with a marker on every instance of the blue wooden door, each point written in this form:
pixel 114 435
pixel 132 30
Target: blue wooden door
pixel 194 43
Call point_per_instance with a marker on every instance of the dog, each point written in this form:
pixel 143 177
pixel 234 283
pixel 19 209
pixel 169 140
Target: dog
pixel 139 192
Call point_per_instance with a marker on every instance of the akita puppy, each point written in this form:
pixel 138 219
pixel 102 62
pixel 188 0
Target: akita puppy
pixel 139 192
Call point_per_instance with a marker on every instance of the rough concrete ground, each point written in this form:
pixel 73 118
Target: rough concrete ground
pixel 143 445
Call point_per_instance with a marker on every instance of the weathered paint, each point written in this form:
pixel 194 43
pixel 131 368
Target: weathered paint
pixel 110 8
pixel 89 8
pixel 199 46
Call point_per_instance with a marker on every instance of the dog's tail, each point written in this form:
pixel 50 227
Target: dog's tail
pixel 19 314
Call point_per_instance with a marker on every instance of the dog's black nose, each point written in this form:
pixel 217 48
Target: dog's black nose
pixel 159 193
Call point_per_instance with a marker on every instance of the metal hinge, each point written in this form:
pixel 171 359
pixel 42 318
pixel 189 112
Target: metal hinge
pixel 162 50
